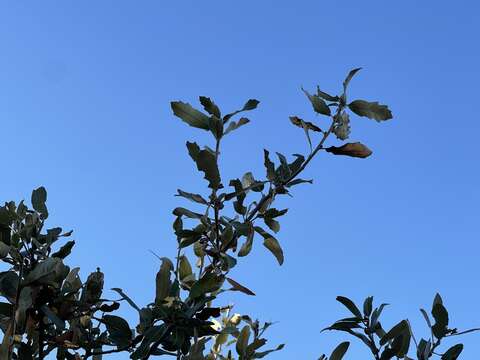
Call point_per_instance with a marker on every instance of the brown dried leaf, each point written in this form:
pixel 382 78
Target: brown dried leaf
pixel 351 149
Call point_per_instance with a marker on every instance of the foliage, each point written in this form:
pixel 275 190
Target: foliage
pixel 48 308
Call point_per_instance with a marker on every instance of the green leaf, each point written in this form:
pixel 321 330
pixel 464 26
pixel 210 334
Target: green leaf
pixel 372 110
pixel 180 211
pixel 349 77
pixel 453 353
pixel 119 331
pixel 339 351
pixel 207 163
pixel 249 105
pixel 399 329
pixel 232 125
pixel 65 250
pixel 185 269
pixel 191 116
pixel 151 335
pixel 350 305
pixel 326 96
pixel 271 244
pixel 272 224
pixel 261 355
pixel 162 280
pixel 242 341
pixel 247 246
pixel 92 291
pixel 192 197
pixel 440 314
pixel 274 246
pixel 367 306
pixel 423 349
pixel 238 287
pixel 427 319
pixel 319 105
pixel 437 300
pixel 206 284
pixel 45 271
pixel 376 314
pixel 126 298
pixel 216 127
pixel 39 198
pixel 304 124
pixel 72 282
pixel 210 106
pixel 341 127
pixel 269 166
pixel 299 181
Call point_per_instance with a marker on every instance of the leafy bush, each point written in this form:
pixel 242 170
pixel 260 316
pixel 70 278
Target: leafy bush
pixel 48 309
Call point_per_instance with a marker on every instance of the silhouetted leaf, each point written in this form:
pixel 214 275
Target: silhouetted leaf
pixel 210 106
pixel 304 124
pixel 249 105
pixel 326 96
pixel 4 249
pixel 341 127
pixel 163 283
pixel 247 246
pixel 271 244
pixel 206 163
pixel 350 305
pixel 180 211
pixel 65 250
pixel 118 330
pixel 319 105
pixel 209 282
pixel 242 341
pixel 126 298
pixel 399 329
pixel 185 269
pixel 349 77
pixel 233 125
pixel 39 198
pixel 269 166
pixel 367 306
pixel 339 351
pixel 453 353
pixel 192 197
pixel 440 314
pixel 238 287
pixel 191 116
pixel 372 110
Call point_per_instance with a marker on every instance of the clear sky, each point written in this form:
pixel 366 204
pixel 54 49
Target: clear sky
pixel 85 88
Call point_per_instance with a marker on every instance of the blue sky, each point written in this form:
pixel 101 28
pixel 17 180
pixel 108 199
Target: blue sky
pixel 84 105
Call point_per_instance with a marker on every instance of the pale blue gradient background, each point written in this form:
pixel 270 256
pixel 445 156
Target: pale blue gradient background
pixel 84 106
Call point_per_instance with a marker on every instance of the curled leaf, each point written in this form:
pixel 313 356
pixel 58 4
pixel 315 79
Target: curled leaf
pixel 238 287
pixel 349 77
pixel 319 105
pixel 341 127
pixel 304 124
pixel 351 149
